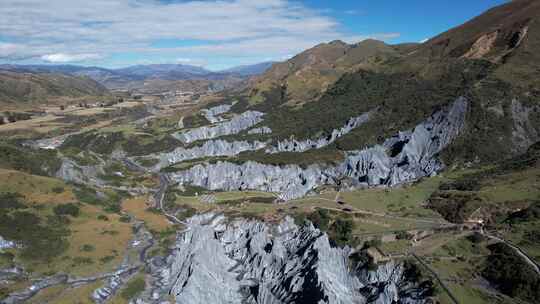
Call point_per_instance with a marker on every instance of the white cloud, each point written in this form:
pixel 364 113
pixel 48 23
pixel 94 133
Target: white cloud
pixel 58 30
pixel 63 58
pixel 190 61
pixel 424 40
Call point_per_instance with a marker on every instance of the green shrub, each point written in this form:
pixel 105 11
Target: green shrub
pixel 38 162
pixel 340 231
pixel 40 240
pixel 78 261
pixel 87 248
pixel 133 287
pixel 67 209
pixel 511 274
pixel 320 219
pixel 58 189
pixel 125 218
pixel 10 200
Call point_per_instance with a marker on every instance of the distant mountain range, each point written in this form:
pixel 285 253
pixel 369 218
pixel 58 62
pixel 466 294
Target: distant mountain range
pixel 125 77
pixel 250 70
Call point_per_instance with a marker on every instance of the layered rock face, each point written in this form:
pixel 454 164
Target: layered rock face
pixel 400 159
pixel 409 155
pixel 301 146
pixel 237 124
pixel 210 148
pixel 261 130
pixel 289 181
pixel 212 114
pixel 216 261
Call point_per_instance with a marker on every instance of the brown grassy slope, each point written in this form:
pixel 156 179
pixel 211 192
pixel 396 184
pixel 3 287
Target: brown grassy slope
pixel 30 88
pixel 507 35
pixel 307 75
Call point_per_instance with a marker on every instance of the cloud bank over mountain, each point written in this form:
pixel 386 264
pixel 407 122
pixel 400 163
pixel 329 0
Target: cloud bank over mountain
pixel 61 31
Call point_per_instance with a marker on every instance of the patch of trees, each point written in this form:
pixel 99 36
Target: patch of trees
pixel 511 274
pixel 320 219
pixel 67 209
pixel 455 207
pixel 196 120
pixel 38 162
pixel 40 239
pixel 10 200
pixel 110 202
pixel 531 213
pixel 340 232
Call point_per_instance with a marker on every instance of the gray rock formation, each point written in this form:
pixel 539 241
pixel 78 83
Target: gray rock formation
pixel 212 114
pixel 113 283
pixel 70 171
pixel 409 155
pixel 5 244
pixel 308 144
pixel 237 124
pixel 524 132
pixel 289 182
pixel 402 158
pixel 211 148
pixel 261 130
pixel 218 261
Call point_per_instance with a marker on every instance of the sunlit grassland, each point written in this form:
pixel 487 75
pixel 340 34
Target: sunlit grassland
pixel 63 294
pixel 140 210
pixel 95 245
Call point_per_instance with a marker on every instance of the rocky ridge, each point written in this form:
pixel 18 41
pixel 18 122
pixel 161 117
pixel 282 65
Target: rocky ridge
pixel 305 145
pixel 235 125
pixel 212 114
pixel 261 130
pixel 216 260
pixel 211 148
pixel 403 158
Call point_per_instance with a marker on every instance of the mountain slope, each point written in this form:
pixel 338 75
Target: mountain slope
pixel 318 90
pixel 32 87
pixel 507 35
pixel 250 70
pixel 307 75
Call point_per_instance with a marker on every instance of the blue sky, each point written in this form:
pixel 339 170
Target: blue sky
pixel 216 34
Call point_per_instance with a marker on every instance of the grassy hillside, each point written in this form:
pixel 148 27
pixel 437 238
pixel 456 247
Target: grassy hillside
pixel 27 88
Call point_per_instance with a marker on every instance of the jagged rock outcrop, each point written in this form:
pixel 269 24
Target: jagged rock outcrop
pixel 261 130
pixel 70 171
pixel 409 155
pixel 289 181
pixel 5 244
pixel 216 261
pixel 211 148
pixel 308 144
pixel 212 114
pixel 400 159
pixel 235 125
pixel 113 283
